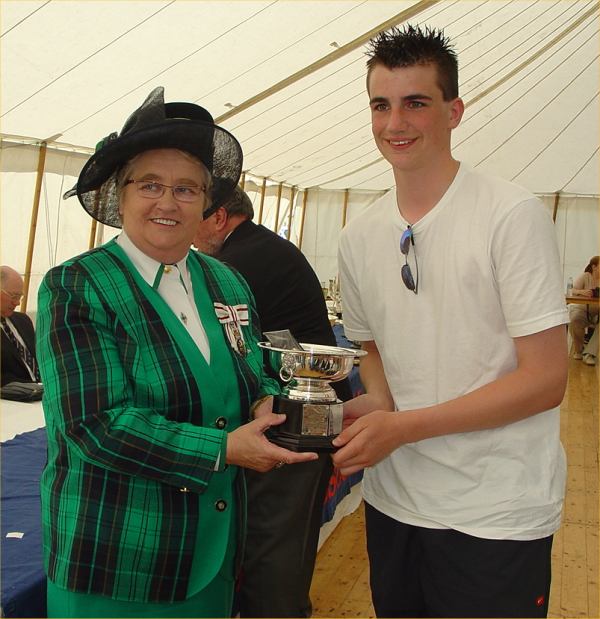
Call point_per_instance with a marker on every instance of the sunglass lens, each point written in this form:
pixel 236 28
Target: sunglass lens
pixel 407 277
pixel 405 241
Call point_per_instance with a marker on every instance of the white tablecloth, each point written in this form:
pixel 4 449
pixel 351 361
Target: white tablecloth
pixel 19 417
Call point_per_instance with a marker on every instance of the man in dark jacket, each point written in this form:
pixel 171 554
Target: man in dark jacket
pixel 18 338
pixel 284 505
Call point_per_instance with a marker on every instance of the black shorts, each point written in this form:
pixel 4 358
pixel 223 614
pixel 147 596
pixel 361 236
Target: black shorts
pixel 419 572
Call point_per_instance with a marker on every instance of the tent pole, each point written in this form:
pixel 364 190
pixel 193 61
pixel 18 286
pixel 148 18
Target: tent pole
pixel 289 228
pixel 33 225
pixel 262 199
pixel 92 241
pixel 304 199
pixel 345 210
pixel 279 190
pixel 556 201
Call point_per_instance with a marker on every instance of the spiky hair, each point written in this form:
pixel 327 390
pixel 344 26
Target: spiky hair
pixel 413 45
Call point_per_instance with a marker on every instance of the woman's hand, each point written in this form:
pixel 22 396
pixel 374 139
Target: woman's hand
pixel 588 292
pixel 249 447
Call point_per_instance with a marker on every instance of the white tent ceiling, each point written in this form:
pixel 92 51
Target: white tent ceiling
pixel 288 79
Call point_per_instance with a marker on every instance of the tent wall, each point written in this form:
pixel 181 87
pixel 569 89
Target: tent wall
pixel 577 231
pixel 62 230
pixel 323 224
pixel 63 227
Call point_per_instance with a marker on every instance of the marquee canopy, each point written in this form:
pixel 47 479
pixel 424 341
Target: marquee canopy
pixel 288 79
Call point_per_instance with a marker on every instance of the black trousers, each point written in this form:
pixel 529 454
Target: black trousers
pixel 285 507
pixel 419 572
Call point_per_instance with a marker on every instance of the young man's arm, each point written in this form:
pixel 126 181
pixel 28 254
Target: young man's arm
pixel 537 384
pixel 377 394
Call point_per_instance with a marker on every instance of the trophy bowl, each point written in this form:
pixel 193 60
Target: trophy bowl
pixel 314 414
pixel 314 361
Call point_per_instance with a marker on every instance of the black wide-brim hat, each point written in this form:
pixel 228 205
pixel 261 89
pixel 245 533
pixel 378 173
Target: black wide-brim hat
pixel 156 124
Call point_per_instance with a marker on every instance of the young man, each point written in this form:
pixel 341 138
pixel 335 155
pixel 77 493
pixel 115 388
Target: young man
pixel 452 283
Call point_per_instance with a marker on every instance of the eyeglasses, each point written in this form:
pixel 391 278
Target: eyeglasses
pixel 406 240
pixel 154 190
pixel 15 296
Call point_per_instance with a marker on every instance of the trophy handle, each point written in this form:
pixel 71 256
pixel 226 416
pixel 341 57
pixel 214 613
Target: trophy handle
pixel 286 373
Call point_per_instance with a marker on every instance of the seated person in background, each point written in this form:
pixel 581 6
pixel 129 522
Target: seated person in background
pixel 285 505
pixel 18 338
pixel 583 316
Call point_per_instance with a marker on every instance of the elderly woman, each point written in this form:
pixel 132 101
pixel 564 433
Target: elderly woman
pixel 149 357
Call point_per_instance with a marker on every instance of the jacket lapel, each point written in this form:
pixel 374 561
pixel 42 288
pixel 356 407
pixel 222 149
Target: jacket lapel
pixel 209 378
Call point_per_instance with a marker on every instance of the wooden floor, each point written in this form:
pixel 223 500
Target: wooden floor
pixel 341 581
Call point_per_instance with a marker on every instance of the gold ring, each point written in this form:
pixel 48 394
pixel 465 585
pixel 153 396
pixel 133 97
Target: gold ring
pixel 279 464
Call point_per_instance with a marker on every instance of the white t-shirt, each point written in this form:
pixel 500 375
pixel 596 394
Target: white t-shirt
pixel 489 271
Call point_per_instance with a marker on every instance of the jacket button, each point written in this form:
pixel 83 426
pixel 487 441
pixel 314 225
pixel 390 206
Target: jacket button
pixel 221 505
pixel 221 422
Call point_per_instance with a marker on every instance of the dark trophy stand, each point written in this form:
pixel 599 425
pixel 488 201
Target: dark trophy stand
pixel 303 428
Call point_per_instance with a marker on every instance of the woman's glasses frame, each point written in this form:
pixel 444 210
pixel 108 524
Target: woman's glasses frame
pixel 153 190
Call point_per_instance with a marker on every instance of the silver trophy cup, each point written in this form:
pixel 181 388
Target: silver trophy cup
pixel 314 415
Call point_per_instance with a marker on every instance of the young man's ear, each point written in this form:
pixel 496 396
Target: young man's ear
pixel 457 109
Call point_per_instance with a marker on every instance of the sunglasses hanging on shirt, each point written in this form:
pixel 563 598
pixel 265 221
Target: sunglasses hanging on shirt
pixel 406 240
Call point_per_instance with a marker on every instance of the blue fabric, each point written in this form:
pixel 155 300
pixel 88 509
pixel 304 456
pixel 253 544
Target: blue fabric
pixel 340 486
pixel 22 576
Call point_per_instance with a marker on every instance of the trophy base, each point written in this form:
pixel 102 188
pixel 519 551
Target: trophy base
pixel 309 426
pixel 293 442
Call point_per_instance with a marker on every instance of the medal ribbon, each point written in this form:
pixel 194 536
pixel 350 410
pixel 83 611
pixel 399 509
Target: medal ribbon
pixel 232 317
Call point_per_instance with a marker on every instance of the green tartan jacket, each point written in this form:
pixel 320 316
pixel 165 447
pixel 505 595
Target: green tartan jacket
pixel 129 427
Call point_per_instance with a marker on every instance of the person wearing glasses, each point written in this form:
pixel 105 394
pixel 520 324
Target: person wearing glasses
pixel 18 337
pixel 452 281
pixel 148 352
